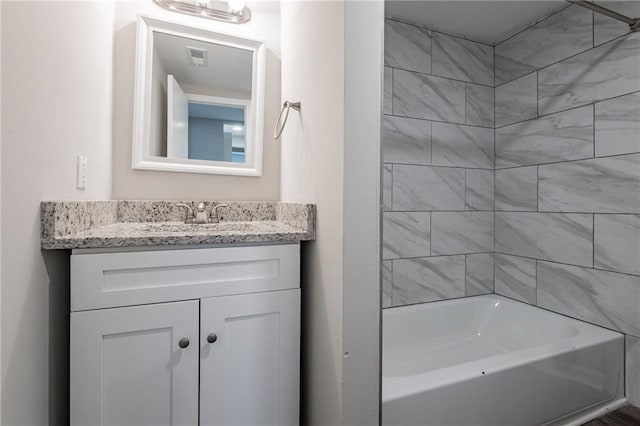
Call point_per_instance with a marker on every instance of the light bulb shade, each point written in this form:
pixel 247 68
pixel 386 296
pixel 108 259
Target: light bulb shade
pixel 233 11
pixel 236 6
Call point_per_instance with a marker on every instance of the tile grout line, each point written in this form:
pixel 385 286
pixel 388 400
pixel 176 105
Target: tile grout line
pixel 571 108
pixel 392 286
pixel 466 206
pixel 560 161
pixel 430 234
pixel 465 276
pixel 495 158
pixel 627 274
pixel 564 59
pixel 541 212
pixel 544 18
pixel 593 29
pixel 593 126
pixel 431 144
pixel 593 240
pixel 430 74
pixel 457 255
pixel 537 188
pixel 424 27
pixel 431 120
pixel 436 166
pixel 496 126
pixel 393 82
pixel 536 282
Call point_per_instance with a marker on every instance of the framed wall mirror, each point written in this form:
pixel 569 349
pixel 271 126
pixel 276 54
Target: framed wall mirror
pixel 199 100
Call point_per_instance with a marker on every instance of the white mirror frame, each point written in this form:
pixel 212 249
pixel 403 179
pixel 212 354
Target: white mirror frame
pixel 141 158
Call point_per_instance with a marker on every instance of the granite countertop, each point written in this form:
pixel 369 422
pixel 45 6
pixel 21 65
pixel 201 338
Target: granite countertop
pixel 104 224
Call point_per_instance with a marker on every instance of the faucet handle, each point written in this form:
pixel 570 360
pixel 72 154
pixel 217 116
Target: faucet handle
pixel 214 212
pixel 189 209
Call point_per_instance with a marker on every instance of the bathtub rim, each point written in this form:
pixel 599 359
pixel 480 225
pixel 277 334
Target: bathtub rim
pixel 397 387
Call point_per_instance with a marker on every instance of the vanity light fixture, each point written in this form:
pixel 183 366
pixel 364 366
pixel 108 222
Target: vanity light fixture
pixel 232 11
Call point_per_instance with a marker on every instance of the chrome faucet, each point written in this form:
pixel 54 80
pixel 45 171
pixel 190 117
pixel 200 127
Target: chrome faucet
pixel 214 218
pixel 199 216
pixel 189 217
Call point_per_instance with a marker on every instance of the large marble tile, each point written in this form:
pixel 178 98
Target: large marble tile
pixel 387 187
pixel 479 274
pixel 515 277
pixel 601 185
pixel 566 238
pixel 551 40
pixel 406 140
pixel 425 96
pixel 606 28
pixel 461 146
pixel 427 279
pixel 632 367
pixel 480 105
pixel 617 124
pixel 608 299
pixel 617 242
pixel 405 234
pixel 387 283
pixel 517 100
pixel 387 104
pixel 428 188
pixel 454 57
pixel 609 70
pixel 407 46
pixel 563 136
pixel 517 189
pixel 479 189
pixel 461 232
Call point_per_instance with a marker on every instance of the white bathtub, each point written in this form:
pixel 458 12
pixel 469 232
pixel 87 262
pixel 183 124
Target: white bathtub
pixel 489 360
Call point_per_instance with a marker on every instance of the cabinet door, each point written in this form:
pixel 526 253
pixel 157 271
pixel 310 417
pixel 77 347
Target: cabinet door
pixel 127 367
pixel 250 375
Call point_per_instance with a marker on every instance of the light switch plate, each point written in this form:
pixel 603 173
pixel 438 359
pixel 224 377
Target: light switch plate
pixel 81 176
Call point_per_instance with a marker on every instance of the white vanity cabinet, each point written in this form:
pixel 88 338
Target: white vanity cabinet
pixel 205 336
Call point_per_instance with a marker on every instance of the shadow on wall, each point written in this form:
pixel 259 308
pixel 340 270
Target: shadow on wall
pixel 57 265
pixel 309 401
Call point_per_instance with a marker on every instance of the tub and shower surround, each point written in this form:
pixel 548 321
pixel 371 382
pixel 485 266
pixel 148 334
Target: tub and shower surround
pixel 567 178
pixel 565 164
pixel 438 172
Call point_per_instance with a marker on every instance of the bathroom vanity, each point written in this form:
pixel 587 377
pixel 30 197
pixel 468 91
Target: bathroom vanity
pixel 175 323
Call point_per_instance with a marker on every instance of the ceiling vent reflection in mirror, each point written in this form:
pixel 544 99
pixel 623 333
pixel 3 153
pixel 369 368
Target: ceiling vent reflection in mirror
pixel 232 11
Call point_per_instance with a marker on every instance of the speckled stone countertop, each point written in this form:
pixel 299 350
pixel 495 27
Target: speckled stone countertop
pixel 104 224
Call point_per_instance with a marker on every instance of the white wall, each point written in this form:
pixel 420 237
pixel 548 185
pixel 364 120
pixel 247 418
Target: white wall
pixel 363 34
pixel 312 171
pixel 138 184
pixel 56 103
pixel 0 216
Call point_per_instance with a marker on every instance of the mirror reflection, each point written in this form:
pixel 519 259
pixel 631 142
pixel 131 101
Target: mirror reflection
pixel 200 99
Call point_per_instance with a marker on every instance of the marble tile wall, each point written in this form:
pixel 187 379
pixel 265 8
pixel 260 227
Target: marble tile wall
pixel 515 169
pixel 567 171
pixel 438 172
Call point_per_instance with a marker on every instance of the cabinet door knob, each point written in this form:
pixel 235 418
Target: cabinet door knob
pixel 183 343
pixel 211 338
